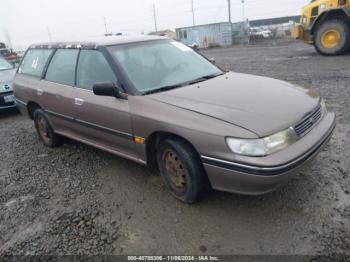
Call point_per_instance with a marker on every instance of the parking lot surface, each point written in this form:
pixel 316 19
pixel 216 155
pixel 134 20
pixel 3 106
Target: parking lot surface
pixel 79 200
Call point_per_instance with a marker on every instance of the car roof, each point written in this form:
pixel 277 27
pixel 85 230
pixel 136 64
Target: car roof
pixel 95 43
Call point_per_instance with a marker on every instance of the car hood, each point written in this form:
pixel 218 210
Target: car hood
pixel 6 80
pixel 259 104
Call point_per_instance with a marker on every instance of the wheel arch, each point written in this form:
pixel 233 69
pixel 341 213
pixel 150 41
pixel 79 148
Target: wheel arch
pixel 31 107
pixel 340 13
pixel 153 141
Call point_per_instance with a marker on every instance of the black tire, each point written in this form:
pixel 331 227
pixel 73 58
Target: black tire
pixel 196 180
pixel 42 125
pixel 342 27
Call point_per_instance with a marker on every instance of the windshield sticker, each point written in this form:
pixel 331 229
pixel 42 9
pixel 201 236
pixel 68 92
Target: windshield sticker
pixel 182 47
pixel 35 63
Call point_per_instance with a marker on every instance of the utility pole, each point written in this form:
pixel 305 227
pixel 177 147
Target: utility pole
pixel 8 38
pixel 155 17
pixel 229 18
pixel 229 11
pixel 49 34
pixel 192 2
pixel 243 21
pixel 243 10
pixel 106 30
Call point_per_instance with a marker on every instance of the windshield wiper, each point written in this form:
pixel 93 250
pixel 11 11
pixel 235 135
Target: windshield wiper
pixel 204 78
pixel 163 88
pixel 169 87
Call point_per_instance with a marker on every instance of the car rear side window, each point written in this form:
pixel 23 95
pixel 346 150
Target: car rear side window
pixel 93 67
pixel 34 62
pixel 62 67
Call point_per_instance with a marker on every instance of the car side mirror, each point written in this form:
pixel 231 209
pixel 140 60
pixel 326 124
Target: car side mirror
pixel 212 60
pixel 108 89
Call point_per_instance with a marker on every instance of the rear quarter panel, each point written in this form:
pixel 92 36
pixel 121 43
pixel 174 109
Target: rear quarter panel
pixel 25 88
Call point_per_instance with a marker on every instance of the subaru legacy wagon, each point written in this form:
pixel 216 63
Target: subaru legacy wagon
pixel 159 103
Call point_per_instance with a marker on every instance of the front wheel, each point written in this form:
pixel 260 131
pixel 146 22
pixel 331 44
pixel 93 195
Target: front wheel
pixel 182 170
pixel 332 37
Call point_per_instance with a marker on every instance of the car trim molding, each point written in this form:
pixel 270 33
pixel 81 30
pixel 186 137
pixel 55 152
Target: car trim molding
pixel 273 170
pixel 59 115
pixel 108 149
pixel 21 102
pixel 91 125
pixel 106 129
pixel 6 107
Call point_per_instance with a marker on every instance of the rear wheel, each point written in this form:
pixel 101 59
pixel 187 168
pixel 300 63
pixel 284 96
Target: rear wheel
pixel 45 131
pixel 332 37
pixel 182 170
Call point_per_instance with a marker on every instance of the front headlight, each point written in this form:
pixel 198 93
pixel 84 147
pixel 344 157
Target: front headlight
pixel 262 146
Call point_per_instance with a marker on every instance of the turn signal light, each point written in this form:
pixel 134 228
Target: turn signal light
pixel 139 140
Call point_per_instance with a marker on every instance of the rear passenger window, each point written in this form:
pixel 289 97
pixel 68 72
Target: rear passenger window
pixel 92 68
pixel 62 67
pixel 34 62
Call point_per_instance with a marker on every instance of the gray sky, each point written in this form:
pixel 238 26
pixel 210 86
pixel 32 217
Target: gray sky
pixel 27 21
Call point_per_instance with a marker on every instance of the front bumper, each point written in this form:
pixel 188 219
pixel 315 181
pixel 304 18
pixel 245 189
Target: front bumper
pixel 256 180
pixel 3 103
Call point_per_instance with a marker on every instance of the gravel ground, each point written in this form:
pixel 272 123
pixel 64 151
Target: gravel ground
pixel 79 200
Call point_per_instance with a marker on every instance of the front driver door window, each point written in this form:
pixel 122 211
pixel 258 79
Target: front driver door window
pixel 92 68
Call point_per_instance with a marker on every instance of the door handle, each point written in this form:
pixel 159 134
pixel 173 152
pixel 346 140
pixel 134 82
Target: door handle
pixel 39 92
pixel 78 101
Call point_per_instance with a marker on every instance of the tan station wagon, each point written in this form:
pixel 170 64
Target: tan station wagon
pixel 159 103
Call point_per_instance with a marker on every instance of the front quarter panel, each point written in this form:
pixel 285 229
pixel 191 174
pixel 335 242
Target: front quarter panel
pixel 205 133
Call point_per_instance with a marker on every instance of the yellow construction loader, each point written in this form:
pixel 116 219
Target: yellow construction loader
pixel 326 25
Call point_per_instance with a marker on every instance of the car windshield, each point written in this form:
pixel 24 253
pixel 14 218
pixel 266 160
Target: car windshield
pixel 4 65
pixel 155 66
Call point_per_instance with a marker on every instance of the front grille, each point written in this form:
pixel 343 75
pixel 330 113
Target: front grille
pixel 304 126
